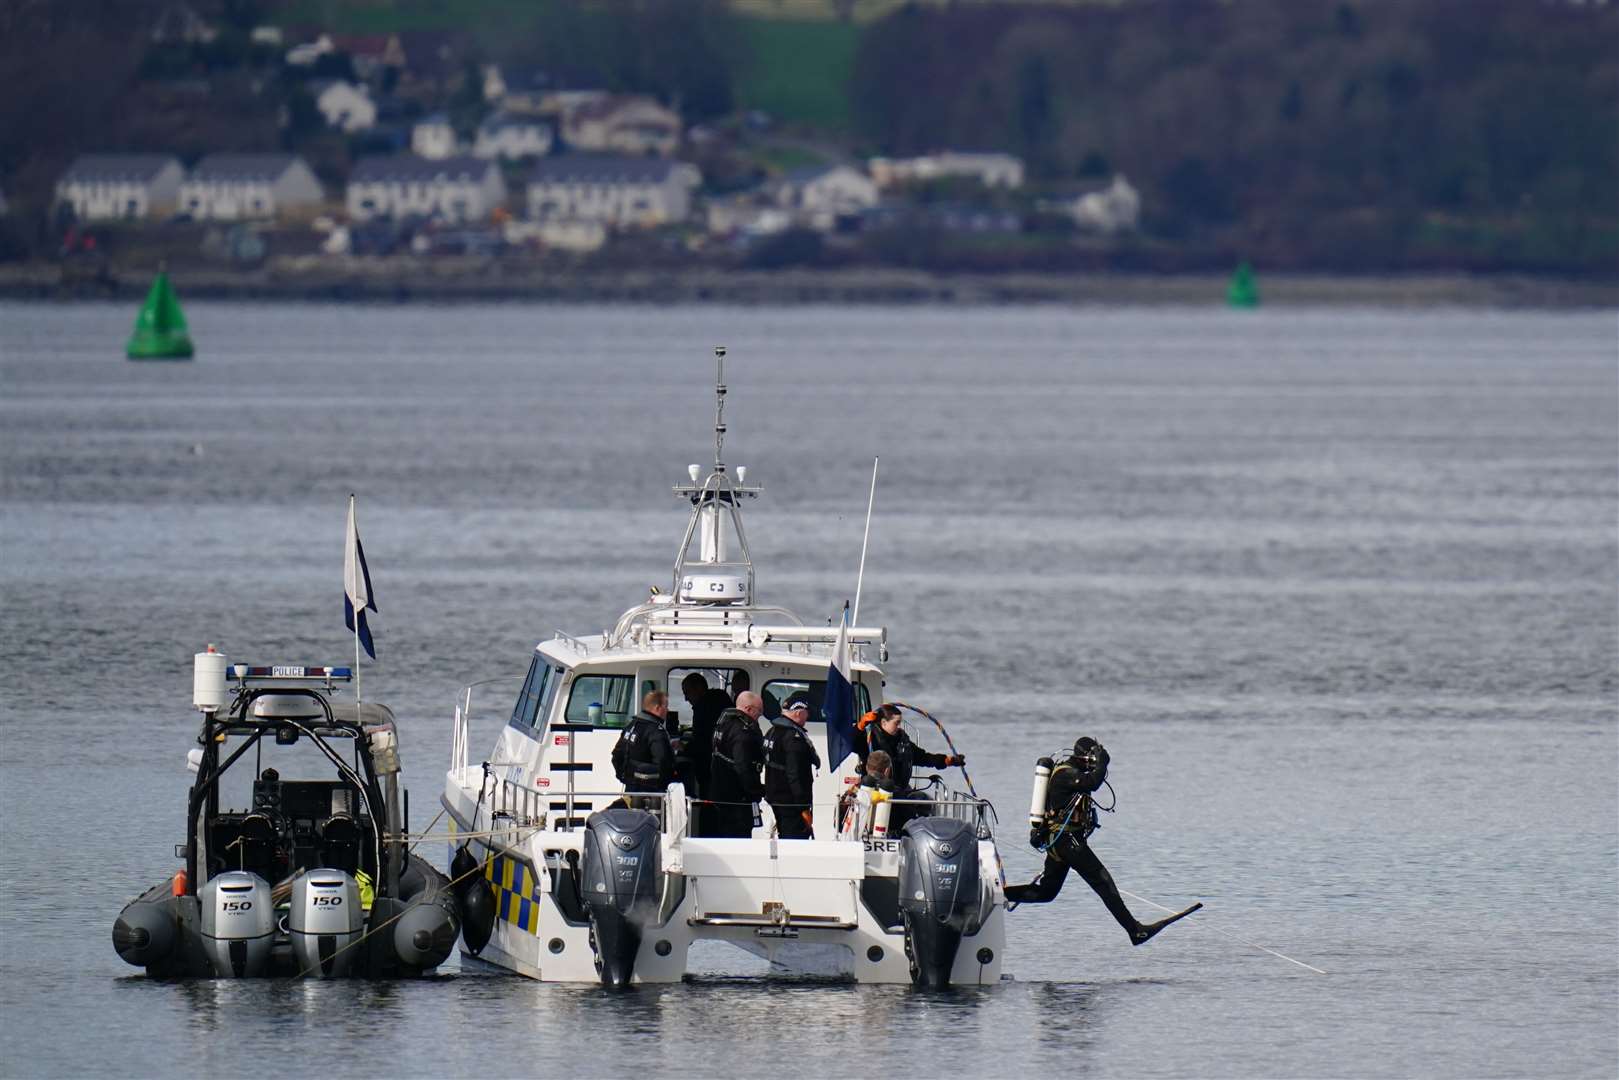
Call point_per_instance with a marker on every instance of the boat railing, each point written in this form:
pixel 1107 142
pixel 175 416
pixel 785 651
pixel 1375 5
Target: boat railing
pixel 666 618
pixel 460 732
pixel 859 816
pixel 520 807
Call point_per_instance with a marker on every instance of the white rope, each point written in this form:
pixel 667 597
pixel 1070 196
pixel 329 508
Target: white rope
pixel 1217 930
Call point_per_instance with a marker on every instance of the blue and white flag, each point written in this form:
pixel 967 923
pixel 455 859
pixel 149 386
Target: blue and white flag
pixel 838 704
pixel 357 586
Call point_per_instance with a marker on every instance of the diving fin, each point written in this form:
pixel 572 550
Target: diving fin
pixel 1143 934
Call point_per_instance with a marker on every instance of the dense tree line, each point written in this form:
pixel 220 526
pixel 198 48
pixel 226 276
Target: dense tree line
pixel 1317 134
pixel 1359 133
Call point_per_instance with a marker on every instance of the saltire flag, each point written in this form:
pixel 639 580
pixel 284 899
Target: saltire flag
pixel 357 586
pixel 838 704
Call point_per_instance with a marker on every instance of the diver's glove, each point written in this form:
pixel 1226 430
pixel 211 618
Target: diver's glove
pixel 955 759
pixel 1037 836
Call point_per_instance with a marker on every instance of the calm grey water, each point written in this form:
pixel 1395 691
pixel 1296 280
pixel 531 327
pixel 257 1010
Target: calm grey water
pixel 1336 588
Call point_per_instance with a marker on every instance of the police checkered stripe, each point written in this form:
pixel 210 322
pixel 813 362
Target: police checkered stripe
pixel 515 892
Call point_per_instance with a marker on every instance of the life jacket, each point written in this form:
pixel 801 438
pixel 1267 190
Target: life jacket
pixel 786 739
pixel 634 762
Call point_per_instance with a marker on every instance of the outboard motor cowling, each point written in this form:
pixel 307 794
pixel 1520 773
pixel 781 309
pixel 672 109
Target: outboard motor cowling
pixel 621 880
pixel 237 923
pixel 938 894
pixel 324 921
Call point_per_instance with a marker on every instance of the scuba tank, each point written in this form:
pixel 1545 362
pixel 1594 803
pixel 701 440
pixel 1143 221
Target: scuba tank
pixel 1037 801
pixel 881 811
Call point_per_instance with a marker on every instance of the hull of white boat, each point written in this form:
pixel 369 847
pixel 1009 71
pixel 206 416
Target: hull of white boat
pixel 823 908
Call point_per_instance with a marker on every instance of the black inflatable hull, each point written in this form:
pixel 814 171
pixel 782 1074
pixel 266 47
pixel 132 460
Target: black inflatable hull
pixel 405 938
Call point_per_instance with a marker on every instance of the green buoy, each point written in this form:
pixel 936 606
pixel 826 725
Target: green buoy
pixel 160 328
pixel 1243 292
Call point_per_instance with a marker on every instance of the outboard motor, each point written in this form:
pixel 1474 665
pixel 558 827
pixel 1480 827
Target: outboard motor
pixel 324 920
pixel 621 880
pixel 237 923
pixel 475 899
pixel 938 894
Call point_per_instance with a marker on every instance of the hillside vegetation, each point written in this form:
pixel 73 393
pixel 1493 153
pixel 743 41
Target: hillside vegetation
pixel 1315 134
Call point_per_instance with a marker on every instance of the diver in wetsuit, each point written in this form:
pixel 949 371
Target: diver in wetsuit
pixel 1069 820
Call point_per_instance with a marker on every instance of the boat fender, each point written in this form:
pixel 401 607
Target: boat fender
pixel 475 899
pixel 1037 801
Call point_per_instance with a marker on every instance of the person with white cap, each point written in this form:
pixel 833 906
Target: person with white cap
pixel 789 758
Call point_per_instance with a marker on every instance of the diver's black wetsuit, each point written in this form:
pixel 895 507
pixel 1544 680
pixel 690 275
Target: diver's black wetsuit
pixel 1070 813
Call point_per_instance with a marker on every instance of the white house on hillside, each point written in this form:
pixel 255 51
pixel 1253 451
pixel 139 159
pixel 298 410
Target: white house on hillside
pixel 1116 208
pixel 306 53
pixel 991 170
pixel 231 187
pixel 105 186
pixel 433 137
pixel 347 107
pixel 821 194
pixel 623 192
pixel 512 136
pixel 625 124
pixel 456 190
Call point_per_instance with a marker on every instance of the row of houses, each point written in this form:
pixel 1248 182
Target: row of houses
pixel 222 187
pixel 616 190
pixel 612 191
pixel 589 120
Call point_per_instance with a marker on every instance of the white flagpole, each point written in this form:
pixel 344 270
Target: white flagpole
pixel 354 527
pixel 861 579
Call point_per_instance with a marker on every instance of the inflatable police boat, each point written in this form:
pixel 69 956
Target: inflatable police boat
pixel 294 862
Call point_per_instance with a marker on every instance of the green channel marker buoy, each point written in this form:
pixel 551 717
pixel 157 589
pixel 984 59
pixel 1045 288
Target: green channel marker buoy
pixel 160 328
pixel 1243 291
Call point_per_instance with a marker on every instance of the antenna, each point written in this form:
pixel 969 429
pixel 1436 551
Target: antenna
pixel 861 579
pixel 719 407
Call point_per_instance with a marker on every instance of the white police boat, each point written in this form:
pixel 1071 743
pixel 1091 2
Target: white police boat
pixel 585 889
pixel 294 860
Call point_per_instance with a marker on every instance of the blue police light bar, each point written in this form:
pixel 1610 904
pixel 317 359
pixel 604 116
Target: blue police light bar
pixel 244 672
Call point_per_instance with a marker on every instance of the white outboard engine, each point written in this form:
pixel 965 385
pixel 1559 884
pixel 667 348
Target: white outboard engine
pixel 323 921
pixel 938 895
pixel 620 876
pixel 237 923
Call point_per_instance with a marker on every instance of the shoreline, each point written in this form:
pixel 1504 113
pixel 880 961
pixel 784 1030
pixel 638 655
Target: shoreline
pixel 470 279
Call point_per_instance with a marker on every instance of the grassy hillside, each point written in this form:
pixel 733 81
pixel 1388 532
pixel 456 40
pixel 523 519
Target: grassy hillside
pixel 799 72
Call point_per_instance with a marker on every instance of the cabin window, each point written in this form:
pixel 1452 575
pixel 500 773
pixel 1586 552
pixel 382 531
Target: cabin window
pixel 529 698
pixel 614 693
pixel 778 691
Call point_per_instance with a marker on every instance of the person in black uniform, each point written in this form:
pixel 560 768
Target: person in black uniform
pixel 788 760
pixel 643 758
pixel 887 733
pixel 706 705
pixel 734 785
pixel 1070 818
